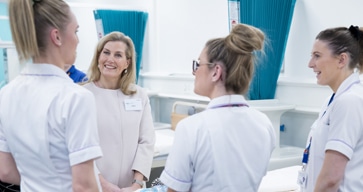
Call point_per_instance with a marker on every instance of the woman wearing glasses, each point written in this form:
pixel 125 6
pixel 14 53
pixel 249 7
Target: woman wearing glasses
pixel 227 147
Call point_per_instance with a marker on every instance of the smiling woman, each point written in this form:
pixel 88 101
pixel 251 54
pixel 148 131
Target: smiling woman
pixel 335 149
pixel 112 62
pixel 112 66
pixel 124 118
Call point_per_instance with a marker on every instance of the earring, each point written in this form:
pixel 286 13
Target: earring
pixel 125 71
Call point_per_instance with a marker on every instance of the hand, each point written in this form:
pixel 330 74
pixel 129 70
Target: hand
pixel 109 187
pixel 132 188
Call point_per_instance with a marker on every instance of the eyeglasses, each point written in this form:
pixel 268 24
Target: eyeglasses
pixel 196 64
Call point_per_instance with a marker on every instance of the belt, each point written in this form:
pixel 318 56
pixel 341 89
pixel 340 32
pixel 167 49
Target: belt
pixel 6 187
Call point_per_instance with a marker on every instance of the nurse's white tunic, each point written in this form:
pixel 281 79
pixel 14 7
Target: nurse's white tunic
pixel 221 149
pixel 339 127
pixel 48 124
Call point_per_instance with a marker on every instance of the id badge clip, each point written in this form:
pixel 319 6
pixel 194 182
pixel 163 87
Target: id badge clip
pixel 302 178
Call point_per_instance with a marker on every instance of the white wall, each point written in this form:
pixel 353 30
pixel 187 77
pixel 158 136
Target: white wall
pixel 310 17
pixel 183 27
pixel 298 84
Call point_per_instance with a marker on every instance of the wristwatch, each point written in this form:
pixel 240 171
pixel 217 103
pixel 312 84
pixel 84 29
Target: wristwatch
pixel 141 183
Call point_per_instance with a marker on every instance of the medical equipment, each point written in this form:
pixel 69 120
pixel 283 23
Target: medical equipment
pixel 185 109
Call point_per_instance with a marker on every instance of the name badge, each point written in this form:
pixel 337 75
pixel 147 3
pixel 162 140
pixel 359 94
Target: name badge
pixel 133 104
pixel 302 179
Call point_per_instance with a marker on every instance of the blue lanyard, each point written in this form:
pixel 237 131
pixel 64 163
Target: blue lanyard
pixel 305 158
pixel 330 100
pixel 306 154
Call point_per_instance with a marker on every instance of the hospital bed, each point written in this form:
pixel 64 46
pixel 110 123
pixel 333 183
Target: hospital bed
pixel 164 136
pixel 164 132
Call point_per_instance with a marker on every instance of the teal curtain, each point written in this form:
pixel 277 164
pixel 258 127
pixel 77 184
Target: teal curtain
pixel 5 35
pixel 131 23
pixel 2 70
pixel 274 18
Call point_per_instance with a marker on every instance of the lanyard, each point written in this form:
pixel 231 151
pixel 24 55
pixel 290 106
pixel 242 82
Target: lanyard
pixel 330 100
pixel 305 158
pixel 230 105
pixel 306 154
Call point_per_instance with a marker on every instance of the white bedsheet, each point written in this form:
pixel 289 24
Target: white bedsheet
pixel 280 180
pixel 164 140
